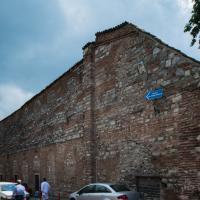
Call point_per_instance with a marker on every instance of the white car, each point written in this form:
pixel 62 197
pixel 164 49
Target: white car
pixel 105 191
pixel 6 190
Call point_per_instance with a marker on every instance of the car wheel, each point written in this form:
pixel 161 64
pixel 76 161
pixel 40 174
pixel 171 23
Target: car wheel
pixel 72 199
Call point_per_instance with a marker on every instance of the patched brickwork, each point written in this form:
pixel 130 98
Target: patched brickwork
pixel 94 124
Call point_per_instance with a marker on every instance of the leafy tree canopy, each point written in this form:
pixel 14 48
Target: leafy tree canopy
pixel 193 26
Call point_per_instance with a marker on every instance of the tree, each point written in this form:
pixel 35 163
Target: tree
pixel 193 26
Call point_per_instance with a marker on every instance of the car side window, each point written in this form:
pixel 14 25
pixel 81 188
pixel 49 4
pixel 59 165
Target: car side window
pixel 87 189
pixel 102 189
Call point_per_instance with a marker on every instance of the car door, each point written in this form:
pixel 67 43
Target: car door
pixel 103 193
pixel 86 193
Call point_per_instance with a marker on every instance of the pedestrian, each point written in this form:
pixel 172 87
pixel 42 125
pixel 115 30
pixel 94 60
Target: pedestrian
pixel 45 188
pixel 19 191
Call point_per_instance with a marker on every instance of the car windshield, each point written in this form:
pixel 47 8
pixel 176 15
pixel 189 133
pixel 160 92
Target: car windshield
pixel 120 188
pixel 8 187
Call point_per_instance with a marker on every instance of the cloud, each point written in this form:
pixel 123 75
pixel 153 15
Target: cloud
pixel 12 97
pixel 47 37
pixel 185 5
pixel 77 14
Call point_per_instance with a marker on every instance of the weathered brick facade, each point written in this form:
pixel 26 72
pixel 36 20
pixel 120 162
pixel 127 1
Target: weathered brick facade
pixel 94 124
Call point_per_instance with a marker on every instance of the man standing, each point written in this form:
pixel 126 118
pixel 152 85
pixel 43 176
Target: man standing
pixel 45 188
pixel 19 191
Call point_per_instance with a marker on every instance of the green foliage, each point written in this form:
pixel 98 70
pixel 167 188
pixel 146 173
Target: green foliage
pixel 193 26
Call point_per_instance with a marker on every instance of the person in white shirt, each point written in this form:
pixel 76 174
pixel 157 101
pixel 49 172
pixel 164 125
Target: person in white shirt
pixel 45 188
pixel 19 191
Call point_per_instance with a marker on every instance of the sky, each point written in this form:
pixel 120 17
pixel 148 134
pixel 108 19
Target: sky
pixel 42 39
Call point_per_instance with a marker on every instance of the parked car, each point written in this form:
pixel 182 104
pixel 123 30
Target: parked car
pixel 6 190
pixel 105 191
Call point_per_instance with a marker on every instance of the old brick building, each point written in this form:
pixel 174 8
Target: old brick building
pixel 94 124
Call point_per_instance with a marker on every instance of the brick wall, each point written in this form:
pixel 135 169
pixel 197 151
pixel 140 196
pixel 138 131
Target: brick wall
pixel 94 124
pixel 58 115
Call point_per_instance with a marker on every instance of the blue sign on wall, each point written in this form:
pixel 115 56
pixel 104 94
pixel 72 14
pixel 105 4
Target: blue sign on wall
pixel 154 94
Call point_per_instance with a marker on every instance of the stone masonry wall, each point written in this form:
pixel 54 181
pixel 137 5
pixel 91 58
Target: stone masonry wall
pixel 58 115
pixel 94 124
pixel 137 137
